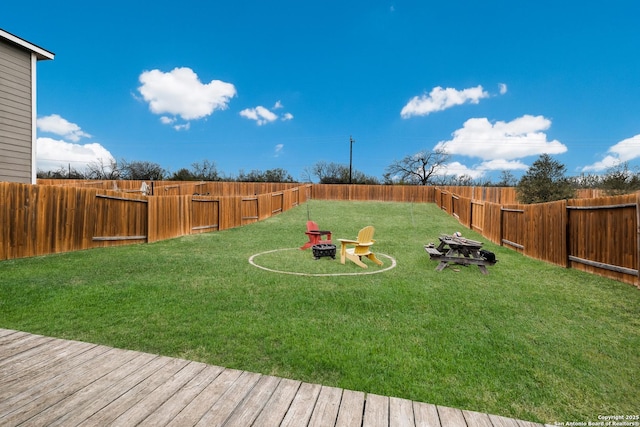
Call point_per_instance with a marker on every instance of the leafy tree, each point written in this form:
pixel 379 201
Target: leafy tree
pixel 545 181
pixel 417 168
pixel 620 180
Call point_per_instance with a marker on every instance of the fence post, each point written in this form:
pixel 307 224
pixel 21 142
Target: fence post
pixel 501 229
pixel 567 234
pixel 637 238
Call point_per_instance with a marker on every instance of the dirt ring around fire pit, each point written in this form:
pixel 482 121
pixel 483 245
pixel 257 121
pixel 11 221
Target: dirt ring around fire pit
pixel 252 261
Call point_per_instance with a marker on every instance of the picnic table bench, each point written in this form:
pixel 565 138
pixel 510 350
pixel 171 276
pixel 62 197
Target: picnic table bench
pixel 458 250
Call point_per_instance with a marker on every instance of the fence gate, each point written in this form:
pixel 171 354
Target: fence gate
pixel 604 237
pixel 249 209
pixel 205 215
pixel 512 227
pixel 120 219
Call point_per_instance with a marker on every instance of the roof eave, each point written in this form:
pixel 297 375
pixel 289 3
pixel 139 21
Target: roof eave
pixel 41 54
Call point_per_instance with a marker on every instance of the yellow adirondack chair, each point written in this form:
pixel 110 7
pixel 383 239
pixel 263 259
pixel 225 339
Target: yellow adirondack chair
pixel 361 248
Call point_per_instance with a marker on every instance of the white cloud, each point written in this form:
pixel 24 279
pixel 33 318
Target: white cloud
pixel 278 149
pixel 478 171
pixel 55 154
pixel 180 93
pixel 518 138
pixel 260 114
pixel 185 126
pixel 440 99
pixel 503 88
pixel 263 115
pixel 501 164
pixel 458 169
pixel 602 165
pixel 58 126
pixel 627 149
pixel 623 151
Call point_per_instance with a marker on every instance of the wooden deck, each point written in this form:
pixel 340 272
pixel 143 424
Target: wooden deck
pixel 49 381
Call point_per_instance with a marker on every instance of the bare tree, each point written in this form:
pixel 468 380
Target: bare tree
pixel 205 171
pixel 100 169
pixel 417 168
pixel 142 170
pixel 336 173
pixel 507 179
pixel 620 179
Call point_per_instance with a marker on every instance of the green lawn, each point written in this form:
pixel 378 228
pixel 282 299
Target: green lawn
pixel 530 340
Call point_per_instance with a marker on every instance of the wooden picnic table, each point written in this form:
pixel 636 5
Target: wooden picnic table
pixel 458 250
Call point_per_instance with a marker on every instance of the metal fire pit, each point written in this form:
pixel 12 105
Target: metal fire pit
pixel 324 250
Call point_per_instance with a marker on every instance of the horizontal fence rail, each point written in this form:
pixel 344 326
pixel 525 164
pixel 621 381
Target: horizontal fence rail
pixel 593 233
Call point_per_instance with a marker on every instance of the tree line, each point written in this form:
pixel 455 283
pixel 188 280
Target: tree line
pixel 546 180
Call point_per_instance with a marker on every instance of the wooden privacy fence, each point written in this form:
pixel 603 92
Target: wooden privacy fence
pixel 382 193
pixel 45 219
pixel 598 235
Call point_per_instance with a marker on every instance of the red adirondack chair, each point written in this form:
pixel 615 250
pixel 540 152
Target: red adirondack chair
pixel 316 236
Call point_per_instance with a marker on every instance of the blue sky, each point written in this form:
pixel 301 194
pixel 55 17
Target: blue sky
pixel 255 85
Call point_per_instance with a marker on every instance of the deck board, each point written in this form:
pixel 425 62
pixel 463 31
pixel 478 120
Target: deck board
pixel 176 403
pixel 55 382
pixel 400 413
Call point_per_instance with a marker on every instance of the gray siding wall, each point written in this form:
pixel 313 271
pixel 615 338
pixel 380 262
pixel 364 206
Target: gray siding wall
pixel 15 114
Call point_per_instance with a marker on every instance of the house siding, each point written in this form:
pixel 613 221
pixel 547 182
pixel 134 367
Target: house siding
pixel 16 152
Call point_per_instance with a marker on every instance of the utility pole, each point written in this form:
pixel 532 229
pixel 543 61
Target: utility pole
pixel 351 141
